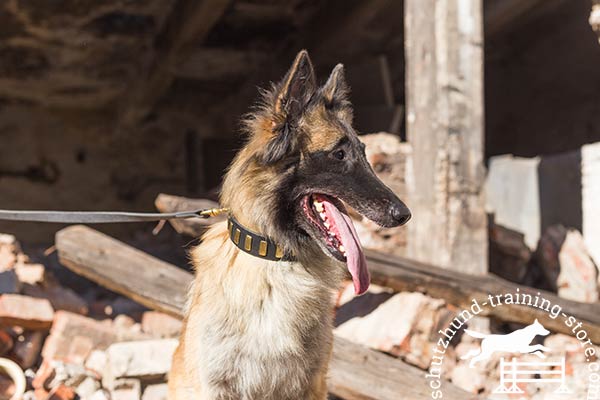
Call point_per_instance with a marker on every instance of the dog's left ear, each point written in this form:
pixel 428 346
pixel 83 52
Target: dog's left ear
pixel 336 90
pixel 293 93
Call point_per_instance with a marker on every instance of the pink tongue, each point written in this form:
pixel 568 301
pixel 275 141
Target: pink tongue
pixel 355 258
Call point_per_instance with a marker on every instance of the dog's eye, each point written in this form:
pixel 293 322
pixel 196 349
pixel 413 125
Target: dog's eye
pixel 339 154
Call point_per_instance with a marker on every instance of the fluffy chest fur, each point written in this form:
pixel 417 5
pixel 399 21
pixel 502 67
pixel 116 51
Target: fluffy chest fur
pixel 256 328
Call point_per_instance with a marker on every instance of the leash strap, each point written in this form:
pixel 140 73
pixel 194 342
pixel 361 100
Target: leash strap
pixel 103 217
pixel 255 244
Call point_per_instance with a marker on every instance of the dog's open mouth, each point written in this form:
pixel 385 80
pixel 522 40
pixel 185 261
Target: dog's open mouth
pixel 330 219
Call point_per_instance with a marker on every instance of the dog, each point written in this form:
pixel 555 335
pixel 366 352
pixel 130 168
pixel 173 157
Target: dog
pixel 258 323
pixel 518 341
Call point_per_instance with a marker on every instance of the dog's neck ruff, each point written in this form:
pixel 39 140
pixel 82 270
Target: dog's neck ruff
pixel 255 244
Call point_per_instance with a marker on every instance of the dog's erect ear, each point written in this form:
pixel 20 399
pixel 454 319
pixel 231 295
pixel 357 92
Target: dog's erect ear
pixel 296 88
pixel 336 90
pixel 293 93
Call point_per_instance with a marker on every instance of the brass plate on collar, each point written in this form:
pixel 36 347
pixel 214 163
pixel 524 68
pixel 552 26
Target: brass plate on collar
pixel 262 248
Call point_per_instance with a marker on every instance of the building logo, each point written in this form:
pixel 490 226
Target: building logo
pixel 514 372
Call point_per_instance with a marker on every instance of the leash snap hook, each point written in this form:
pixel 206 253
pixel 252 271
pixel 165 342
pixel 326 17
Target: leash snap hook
pixel 211 212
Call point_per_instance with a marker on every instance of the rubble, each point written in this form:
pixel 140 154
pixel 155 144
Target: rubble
pixel 24 311
pixel 383 328
pixel 73 337
pixel 31 274
pixel 578 278
pixel 567 265
pixel 94 347
pixel 9 248
pixel 508 254
pixel 145 360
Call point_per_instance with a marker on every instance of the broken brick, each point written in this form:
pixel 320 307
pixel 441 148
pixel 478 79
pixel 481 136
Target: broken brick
pixel 96 362
pixel 62 392
pixel 144 359
pixel 28 312
pixel 32 274
pixel 60 345
pixel 44 376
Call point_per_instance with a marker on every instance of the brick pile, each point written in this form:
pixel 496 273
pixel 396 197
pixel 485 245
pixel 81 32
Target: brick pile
pixel 71 346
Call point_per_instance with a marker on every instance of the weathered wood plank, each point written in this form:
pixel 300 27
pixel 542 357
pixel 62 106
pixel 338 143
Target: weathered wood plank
pixel 460 289
pixel 357 373
pixel 356 370
pixel 123 269
pixel 444 116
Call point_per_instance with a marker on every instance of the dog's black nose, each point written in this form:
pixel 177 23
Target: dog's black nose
pixel 400 213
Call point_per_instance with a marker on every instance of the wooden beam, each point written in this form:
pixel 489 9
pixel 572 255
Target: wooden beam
pixel 461 289
pixel 123 269
pixel 188 25
pixel 357 373
pixel 444 115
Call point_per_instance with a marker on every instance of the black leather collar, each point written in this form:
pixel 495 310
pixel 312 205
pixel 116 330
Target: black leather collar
pixel 255 244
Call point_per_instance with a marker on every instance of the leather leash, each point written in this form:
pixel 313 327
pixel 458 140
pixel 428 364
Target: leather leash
pixel 103 217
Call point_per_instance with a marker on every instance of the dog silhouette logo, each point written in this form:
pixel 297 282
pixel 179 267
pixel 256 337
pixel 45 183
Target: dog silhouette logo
pixel 518 341
pixel 514 372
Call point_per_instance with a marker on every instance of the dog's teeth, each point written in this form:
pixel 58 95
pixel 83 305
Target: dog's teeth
pixel 331 234
pixel 319 206
pixel 342 249
pixel 322 215
pixel 327 224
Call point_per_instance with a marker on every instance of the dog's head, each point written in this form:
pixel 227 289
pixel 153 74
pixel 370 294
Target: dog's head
pixel 303 134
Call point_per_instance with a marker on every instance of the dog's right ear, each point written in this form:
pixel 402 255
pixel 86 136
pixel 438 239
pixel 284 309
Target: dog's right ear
pixel 291 97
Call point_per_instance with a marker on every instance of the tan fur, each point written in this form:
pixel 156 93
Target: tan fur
pixel 258 329
pixel 326 134
pixel 243 308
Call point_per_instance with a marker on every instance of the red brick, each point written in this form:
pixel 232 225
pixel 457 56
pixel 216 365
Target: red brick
pixel 43 376
pixel 62 392
pixel 28 312
pixel 40 394
pixel 60 345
